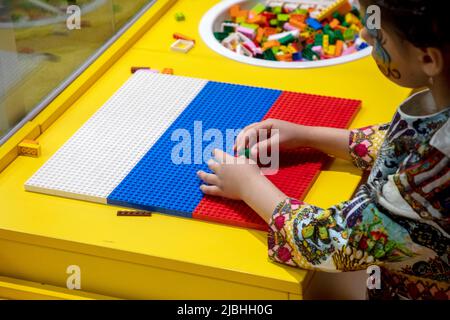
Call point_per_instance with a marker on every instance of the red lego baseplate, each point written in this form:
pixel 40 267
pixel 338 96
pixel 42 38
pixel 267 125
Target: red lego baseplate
pixel 299 168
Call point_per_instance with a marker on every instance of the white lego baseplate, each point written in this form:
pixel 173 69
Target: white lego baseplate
pixel 106 148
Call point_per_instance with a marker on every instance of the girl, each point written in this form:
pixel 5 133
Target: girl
pixel 399 218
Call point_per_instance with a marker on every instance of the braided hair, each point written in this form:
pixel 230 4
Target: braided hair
pixel 424 23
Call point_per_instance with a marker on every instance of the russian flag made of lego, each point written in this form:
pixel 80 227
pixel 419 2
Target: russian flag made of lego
pixel 123 154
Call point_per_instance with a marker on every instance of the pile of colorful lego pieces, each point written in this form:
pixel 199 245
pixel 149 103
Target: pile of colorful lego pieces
pixel 293 30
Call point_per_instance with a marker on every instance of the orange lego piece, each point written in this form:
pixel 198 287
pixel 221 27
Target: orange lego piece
pixel 334 23
pixel 342 28
pixel 284 57
pixel 167 71
pixel 243 14
pixel 259 35
pixel 298 24
pixel 179 36
pixel 345 8
pixel 234 10
pixel 269 31
pixel 258 19
pixel 339 48
pixel 299 17
pixel 270 44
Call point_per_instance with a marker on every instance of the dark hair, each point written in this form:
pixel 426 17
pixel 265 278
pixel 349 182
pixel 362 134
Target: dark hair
pixel 424 23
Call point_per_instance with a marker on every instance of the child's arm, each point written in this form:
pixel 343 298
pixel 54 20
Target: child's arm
pixel 349 236
pixel 364 142
pixel 368 229
pixel 332 141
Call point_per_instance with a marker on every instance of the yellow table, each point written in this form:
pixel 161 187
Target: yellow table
pixel 162 256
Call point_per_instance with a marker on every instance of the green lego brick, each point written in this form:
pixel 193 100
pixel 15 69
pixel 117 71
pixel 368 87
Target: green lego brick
pixel 283 17
pixel 228 29
pixel 250 26
pixel 318 40
pixel 356 12
pixel 338 16
pixel 245 152
pixel 220 35
pixel 349 34
pixel 309 54
pixel 179 16
pixel 268 55
pixel 332 37
pixel 258 8
pixel 309 46
pixel 301 11
pixel 287 39
pixel 277 10
pixel 338 34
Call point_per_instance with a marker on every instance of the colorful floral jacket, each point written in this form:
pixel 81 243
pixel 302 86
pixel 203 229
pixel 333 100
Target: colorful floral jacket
pixel 398 219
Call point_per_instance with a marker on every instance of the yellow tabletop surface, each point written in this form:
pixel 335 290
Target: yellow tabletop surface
pixel 194 247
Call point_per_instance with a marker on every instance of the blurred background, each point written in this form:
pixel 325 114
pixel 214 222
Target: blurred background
pixel 38 52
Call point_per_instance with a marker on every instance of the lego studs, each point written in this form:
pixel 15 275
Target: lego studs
pixel 29 148
pixel 124 213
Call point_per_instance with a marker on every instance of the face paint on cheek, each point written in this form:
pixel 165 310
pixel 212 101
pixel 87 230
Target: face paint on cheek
pixel 382 57
pixel 384 62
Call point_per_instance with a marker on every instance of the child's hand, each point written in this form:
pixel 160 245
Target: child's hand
pixel 231 176
pixel 289 136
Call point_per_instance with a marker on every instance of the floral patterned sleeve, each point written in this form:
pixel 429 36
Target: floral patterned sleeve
pixel 346 237
pixel 365 143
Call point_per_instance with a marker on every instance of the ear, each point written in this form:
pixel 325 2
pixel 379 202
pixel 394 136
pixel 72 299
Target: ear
pixel 431 61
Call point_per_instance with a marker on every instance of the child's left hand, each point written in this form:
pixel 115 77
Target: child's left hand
pixel 231 176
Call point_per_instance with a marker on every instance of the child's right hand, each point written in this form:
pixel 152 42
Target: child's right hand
pixel 289 135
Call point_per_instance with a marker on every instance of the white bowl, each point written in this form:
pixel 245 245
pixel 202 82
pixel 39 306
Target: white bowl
pixel 212 20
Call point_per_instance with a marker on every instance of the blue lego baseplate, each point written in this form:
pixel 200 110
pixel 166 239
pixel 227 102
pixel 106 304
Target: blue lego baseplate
pixel 158 184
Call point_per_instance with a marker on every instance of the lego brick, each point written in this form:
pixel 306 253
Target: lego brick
pixel 157 183
pixel 179 36
pixel 134 69
pixel 298 168
pixel 105 149
pixel 313 23
pixel 182 45
pixel 179 16
pixel 167 71
pixel 29 148
pixel 125 213
pixel 340 6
